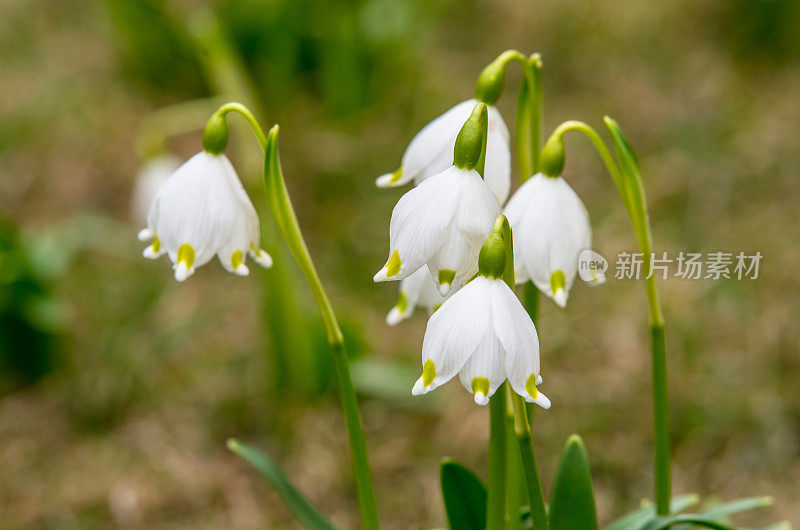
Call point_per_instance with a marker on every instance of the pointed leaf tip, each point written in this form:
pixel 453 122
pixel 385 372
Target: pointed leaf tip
pixel 572 500
pixel 295 501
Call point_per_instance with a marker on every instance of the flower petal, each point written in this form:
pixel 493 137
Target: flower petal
pixel 485 370
pixel 454 332
pixel 498 157
pixel 419 223
pixel 518 336
pixel 431 150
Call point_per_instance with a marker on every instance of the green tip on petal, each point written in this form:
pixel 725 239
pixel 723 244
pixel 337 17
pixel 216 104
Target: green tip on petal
pixel 558 281
pixel 446 276
pixel 396 175
pixel 186 255
pixel 402 303
pixel 480 384
pixel 530 386
pixel 428 373
pixel 236 259
pixel 393 265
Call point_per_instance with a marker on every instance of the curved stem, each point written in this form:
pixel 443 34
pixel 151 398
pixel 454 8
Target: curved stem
pixel 631 190
pixel 283 212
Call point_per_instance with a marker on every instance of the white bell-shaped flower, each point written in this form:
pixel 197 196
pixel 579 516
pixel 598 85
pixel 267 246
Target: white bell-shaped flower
pixel 431 151
pixel 202 210
pixel 485 335
pixel 417 290
pixel 149 179
pixel 551 228
pixel 441 223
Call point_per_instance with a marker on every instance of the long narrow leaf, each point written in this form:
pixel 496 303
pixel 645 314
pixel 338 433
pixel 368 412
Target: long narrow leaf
pixel 697 520
pixel 572 500
pixel 302 509
pixel 637 518
pixel 464 497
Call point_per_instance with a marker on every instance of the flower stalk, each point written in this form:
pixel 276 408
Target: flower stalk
pixel 283 212
pixel 628 181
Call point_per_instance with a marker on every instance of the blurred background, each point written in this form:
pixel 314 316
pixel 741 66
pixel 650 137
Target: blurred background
pixel 119 387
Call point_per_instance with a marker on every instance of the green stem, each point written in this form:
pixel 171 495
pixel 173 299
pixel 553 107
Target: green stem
pixel 517 489
pixel 283 212
pixel 534 75
pixel 631 191
pixel 496 504
pixel 522 429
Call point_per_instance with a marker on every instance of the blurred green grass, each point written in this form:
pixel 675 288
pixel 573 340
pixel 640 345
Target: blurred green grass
pixel 151 377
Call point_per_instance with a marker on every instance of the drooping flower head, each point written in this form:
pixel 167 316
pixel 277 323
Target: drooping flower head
pixel 551 228
pixel 483 334
pixel 430 151
pixel 444 220
pixel 202 210
pixel 417 290
pixel 151 176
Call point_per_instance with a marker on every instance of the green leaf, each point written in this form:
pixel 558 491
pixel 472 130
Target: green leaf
pixel 464 497
pixel 667 521
pixel 637 518
pixel 302 509
pixel 571 497
pixel 740 505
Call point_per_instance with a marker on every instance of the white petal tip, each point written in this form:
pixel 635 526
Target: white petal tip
pixel 539 379
pixel 261 257
pixel 182 271
pixel 385 181
pixel 598 279
pixel 241 270
pixel 480 399
pixel 419 389
pixel 444 288
pixel 150 253
pixel 540 400
pixel 145 234
pixel 395 316
pixel 380 276
pixel 560 298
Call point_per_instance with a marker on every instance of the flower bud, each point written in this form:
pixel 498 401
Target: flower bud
pixel 552 156
pixel 471 140
pixel 215 135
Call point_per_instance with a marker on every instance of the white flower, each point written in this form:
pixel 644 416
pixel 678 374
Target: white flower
pixel 442 223
pixel 483 334
pixel 431 151
pixel 203 210
pixel 417 290
pixel 149 179
pixel 551 228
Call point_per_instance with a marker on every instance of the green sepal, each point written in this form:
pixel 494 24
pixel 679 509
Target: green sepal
pixel 295 501
pixel 215 135
pixel 491 81
pixel 552 157
pixel 471 140
pixel 571 498
pixel 464 497
pixel 492 258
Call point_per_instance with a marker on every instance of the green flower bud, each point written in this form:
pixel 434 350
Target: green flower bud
pixel 552 156
pixel 215 135
pixel 492 259
pixel 471 140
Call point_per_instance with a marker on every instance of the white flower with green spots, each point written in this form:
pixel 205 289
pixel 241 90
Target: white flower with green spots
pixel 203 210
pixel 442 223
pixel 431 151
pixel 551 228
pixel 483 334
